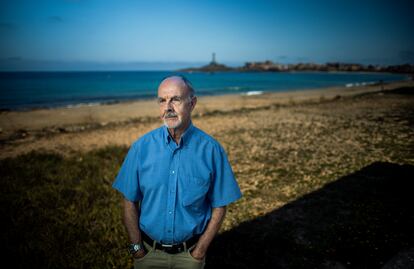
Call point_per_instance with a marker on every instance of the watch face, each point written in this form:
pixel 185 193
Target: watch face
pixel 134 248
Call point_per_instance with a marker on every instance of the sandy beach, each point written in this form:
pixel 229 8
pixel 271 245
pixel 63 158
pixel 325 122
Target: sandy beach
pixel 89 127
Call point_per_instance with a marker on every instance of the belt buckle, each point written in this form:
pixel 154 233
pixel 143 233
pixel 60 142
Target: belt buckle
pixel 167 248
pixel 172 249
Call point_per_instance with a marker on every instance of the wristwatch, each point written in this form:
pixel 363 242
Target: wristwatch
pixel 134 248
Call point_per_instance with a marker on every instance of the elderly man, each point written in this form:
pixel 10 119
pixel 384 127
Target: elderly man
pixel 176 182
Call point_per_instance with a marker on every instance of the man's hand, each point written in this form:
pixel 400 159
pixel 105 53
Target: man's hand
pixel 139 254
pixel 217 217
pixel 197 254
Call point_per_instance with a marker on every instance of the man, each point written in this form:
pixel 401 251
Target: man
pixel 176 181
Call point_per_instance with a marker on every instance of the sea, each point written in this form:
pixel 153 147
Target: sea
pixel 35 90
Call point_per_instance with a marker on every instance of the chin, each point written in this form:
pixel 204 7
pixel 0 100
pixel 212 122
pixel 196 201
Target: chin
pixel 172 125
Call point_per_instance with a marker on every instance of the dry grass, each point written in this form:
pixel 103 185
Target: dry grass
pixel 279 154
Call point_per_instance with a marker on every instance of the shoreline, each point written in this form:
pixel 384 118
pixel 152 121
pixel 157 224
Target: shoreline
pixel 124 111
pixel 88 101
pixel 81 129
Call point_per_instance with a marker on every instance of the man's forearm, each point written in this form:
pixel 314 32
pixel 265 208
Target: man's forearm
pixel 217 217
pixel 130 219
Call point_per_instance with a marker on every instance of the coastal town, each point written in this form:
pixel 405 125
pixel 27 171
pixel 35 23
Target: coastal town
pixel 270 66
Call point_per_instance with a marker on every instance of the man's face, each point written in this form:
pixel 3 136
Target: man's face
pixel 175 103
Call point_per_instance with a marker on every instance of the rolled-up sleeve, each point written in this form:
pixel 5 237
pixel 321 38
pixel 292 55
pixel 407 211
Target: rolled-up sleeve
pixel 127 181
pixel 224 188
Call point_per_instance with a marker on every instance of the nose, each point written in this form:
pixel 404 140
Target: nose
pixel 168 109
pixel 169 106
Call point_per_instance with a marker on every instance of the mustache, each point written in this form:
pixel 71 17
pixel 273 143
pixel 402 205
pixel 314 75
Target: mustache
pixel 170 115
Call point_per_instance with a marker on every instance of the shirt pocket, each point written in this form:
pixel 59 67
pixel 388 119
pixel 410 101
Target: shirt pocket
pixel 195 191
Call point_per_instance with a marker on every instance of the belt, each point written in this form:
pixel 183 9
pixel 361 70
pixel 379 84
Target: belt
pixel 170 249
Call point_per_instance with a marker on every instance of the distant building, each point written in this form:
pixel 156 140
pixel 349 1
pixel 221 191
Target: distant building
pixel 213 59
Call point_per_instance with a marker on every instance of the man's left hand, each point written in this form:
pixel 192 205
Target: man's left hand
pixel 198 255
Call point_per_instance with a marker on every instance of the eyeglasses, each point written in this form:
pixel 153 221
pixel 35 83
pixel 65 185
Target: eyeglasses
pixel 175 100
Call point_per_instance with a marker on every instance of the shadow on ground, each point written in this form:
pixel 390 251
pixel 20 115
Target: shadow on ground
pixel 363 220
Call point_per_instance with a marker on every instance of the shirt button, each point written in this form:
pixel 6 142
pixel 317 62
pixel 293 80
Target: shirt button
pixel 173 171
pixel 170 212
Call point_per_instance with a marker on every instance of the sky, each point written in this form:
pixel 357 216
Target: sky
pixel 163 35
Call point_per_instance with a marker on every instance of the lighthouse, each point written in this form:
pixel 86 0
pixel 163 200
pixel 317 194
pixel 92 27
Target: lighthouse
pixel 213 59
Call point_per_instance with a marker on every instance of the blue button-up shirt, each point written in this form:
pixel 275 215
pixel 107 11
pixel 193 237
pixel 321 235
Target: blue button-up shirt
pixel 177 185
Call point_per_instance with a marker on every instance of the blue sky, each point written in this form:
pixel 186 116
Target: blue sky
pixel 120 34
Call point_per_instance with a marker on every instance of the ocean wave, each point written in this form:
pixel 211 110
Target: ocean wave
pixel 249 93
pixel 85 104
pixel 234 88
pixel 356 84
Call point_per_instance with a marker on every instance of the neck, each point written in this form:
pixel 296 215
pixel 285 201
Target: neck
pixel 176 133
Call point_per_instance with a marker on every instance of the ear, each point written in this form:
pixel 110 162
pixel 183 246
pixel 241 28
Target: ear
pixel 193 102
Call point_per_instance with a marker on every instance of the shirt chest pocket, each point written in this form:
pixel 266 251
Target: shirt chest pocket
pixel 195 191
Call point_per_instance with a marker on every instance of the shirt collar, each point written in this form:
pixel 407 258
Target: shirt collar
pixel 184 138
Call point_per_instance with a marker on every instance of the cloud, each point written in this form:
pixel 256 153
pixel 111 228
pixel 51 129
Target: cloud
pixel 55 19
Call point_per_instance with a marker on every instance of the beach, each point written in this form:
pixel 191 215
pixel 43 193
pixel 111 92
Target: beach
pixel 89 127
pixel 324 175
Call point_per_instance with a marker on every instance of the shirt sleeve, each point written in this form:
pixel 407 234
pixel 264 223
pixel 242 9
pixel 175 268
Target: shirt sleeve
pixel 224 189
pixel 127 181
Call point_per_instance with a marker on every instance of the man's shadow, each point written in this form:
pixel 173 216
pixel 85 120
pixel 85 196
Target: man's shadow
pixel 362 220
